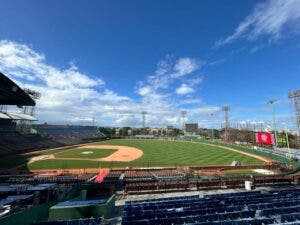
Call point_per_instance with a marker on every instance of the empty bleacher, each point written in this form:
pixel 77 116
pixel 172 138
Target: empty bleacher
pixel 152 174
pixel 167 185
pixel 68 135
pixel 13 141
pixel 243 208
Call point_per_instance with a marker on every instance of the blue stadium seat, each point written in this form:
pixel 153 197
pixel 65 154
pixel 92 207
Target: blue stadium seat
pixel 244 208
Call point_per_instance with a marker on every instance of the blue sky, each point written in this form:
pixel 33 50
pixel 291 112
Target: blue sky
pixel 111 60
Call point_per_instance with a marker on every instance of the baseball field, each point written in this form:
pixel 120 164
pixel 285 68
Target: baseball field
pixel 138 153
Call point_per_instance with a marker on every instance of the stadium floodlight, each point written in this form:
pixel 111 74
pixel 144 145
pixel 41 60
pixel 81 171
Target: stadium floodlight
pixel 144 118
pixel 132 120
pixel 295 96
pixel 287 138
pixel 272 102
pixel 226 109
pixel 183 117
pixel 32 93
pixel 212 126
pixel 260 124
pixel 30 110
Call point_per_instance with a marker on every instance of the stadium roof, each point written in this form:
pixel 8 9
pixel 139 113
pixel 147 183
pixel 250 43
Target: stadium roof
pixel 4 116
pixel 22 117
pixel 12 116
pixel 12 94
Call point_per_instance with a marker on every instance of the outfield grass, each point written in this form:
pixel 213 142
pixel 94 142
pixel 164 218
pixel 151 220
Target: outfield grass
pixel 156 153
pixel 79 153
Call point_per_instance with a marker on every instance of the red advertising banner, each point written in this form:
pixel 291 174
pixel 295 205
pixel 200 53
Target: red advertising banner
pixel 265 138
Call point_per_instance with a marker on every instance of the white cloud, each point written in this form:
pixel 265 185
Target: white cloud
pixel 156 92
pixel 24 63
pixel 161 79
pixel 270 18
pixel 144 90
pixel 169 71
pixel 70 96
pixel 216 62
pixel 194 81
pixel 184 89
pixel 190 101
pixel 185 66
pixel 65 94
pixel 206 110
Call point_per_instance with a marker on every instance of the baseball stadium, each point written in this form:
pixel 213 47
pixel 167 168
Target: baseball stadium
pixel 146 112
pixel 67 174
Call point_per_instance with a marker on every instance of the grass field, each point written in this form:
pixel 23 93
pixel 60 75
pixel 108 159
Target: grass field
pixel 156 153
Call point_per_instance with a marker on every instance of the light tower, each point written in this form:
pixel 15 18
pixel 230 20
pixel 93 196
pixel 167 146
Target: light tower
pixel 272 102
pixel 26 126
pixel 212 126
pixel 132 120
pixel 183 117
pixel 144 119
pixel 30 110
pixel 295 96
pixel 226 109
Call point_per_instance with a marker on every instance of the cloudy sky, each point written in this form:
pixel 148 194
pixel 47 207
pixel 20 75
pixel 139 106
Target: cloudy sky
pixel 111 60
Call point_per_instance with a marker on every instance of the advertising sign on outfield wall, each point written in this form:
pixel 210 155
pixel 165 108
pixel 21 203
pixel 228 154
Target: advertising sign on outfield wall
pixel 265 138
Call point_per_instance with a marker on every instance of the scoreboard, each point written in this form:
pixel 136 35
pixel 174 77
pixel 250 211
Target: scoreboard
pixel 191 127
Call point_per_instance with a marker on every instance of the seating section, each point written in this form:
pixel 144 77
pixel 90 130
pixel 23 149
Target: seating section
pixel 13 141
pixel 113 176
pixel 181 184
pixel 243 208
pixel 153 174
pixel 167 173
pixel 135 174
pixel 68 135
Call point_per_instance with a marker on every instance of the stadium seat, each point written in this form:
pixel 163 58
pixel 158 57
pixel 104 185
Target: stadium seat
pixel 243 208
